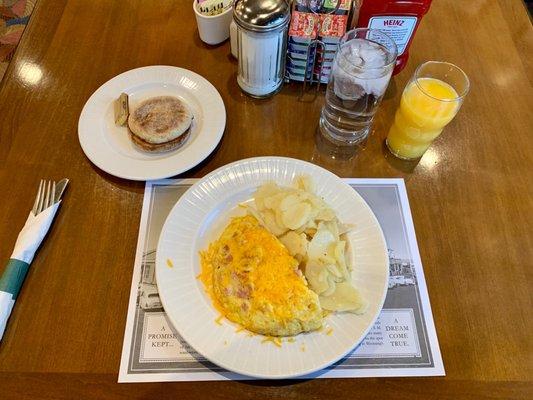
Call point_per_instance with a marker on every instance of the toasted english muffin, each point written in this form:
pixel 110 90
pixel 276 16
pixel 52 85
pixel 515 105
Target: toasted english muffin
pixel 160 119
pixel 256 282
pixel 174 144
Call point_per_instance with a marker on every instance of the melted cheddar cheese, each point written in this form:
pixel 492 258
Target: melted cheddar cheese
pixel 254 281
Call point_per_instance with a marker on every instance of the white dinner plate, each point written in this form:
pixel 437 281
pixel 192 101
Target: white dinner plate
pixel 110 148
pixel 199 217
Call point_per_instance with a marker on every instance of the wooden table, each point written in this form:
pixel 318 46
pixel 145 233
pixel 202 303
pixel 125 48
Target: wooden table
pixel 470 196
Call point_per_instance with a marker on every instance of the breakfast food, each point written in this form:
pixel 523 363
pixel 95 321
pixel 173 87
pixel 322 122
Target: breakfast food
pixel 255 282
pixel 158 147
pixel 312 233
pixel 276 269
pixel 160 124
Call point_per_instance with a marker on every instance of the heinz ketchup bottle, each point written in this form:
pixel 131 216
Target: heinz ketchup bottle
pixel 397 18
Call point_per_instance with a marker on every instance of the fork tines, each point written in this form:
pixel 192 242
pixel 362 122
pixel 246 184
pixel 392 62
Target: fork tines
pixel 45 196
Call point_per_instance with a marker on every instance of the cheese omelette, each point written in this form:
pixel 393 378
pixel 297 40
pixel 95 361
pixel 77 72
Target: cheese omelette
pixel 255 282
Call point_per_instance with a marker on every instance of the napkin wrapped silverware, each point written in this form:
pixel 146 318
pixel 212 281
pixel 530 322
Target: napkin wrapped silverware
pixel 28 241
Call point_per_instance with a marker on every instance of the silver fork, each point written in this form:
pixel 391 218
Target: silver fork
pixel 45 196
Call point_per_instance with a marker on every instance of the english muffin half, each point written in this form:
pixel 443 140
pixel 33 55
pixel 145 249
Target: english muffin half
pixel 173 144
pixel 159 120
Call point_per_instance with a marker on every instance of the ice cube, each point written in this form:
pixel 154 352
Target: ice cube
pixel 346 88
pixel 373 55
pixel 361 68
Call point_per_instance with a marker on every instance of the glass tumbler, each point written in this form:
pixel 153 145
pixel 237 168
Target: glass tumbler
pixel 361 72
pixel 429 102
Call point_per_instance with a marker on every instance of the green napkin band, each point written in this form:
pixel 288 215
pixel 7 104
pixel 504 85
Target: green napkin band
pixel 13 277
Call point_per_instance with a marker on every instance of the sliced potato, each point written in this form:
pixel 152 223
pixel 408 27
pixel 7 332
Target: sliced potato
pixel 344 298
pixel 340 258
pixel 279 217
pixel 332 286
pixel 325 214
pixel 288 201
pixel 312 233
pixel 317 202
pixel 296 215
pixel 272 202
pixel 269 219
pixel 295 243
pixel 266 190
pixel 334 270
pixel 317 276
pixel 318 247
pixel 333 228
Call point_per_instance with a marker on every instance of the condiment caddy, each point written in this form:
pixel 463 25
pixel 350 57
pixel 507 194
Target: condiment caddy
pixel 277 41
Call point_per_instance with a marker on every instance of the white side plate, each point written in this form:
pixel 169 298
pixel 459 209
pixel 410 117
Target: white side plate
pixel 110 148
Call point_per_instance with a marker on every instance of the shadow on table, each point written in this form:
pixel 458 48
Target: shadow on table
pixel 134 186
pixel 119 183
pixel 194 171
pixel 198 42
pixel 288 89
pixel 392 90
pixel 246 380
pixel 289 382
pixel 398 164
pixel 236 93
pixel 266 382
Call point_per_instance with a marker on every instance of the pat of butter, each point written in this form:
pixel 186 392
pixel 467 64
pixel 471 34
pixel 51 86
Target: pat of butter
pixel 121 110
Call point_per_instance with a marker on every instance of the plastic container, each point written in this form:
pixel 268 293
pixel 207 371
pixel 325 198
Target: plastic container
pixel 397 18
pixel 213 29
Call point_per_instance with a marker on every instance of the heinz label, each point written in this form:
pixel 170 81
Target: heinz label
pixel 399 29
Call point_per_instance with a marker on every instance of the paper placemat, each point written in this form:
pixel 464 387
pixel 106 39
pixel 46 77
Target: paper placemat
pixel 403 341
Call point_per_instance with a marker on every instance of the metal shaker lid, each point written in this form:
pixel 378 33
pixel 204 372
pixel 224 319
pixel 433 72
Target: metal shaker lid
pixel 261 15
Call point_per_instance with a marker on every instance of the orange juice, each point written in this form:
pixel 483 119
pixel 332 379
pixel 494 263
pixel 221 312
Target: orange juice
pixel 426 107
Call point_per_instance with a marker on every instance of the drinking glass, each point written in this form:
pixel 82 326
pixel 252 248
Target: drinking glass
pixel 361 72
pixel 429 102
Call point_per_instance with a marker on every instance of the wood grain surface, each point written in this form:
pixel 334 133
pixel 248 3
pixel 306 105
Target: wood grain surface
pixel 471 197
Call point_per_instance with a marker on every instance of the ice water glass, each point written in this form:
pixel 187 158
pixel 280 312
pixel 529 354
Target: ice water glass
pixel 361 72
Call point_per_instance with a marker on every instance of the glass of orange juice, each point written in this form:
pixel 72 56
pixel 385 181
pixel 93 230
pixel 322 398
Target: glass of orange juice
pixel 429 102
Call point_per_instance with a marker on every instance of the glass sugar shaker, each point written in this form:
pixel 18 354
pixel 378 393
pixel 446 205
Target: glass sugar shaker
pixel 261 40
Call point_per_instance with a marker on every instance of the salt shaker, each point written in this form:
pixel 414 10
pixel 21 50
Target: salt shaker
pixel 261 39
